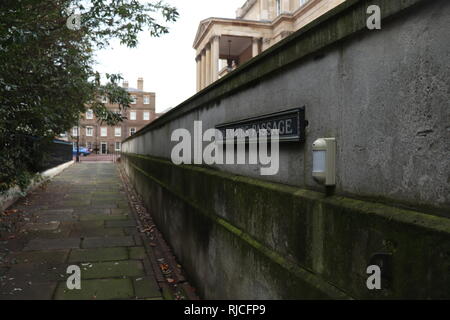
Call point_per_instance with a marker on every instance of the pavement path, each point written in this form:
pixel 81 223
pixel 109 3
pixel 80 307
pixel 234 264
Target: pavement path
pixel 82 217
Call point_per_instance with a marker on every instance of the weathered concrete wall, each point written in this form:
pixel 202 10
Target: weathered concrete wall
pixel 243 238
pixel 384 96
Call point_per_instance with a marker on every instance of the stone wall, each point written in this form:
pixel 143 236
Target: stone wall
pixel 384 96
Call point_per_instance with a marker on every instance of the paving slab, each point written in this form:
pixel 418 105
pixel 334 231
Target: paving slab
pixel 111 205
pixel 49 218
pixel 36 291
pixel 102 217
pixel 120 223
pixel 84 225
pixel 47 257
pixel 52 244
pixel 35 273
pixel 88 210
pixel 137 253
pixel 120 211
pixel 146 288
pixel 47 226
pixel 99 254
pixel 55 234
pixel 101 289
pixel 72 204
pixel 112 269
pixel 98 232
pixel 108 242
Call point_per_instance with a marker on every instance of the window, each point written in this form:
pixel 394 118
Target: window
pixel 146 99
pixel 118 146
pixel 132 115
pixel 75 131
pixel 89 131
pixel 89 145
pixel 104 132
pixel 133 99
pixel 118 132
pixel 146 115
pixel 89 114
pixel 132 131
pixel 278 4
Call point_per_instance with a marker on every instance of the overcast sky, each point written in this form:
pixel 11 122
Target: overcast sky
pixel 167 64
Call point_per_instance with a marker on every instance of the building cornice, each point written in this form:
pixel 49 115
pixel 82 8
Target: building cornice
pixel 206 25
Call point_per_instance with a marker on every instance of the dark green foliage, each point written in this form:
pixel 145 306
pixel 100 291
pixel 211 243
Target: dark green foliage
pixel 46 74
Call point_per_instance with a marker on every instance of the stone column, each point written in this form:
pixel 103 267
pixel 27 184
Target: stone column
pixel 208 65
pixel 199 72
pixel 203 70
pixel 215 47
pixel 255 47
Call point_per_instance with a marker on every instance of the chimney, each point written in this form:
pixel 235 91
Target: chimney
pixel 140 84
pixel 125 85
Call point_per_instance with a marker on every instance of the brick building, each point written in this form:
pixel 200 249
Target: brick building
pixel 103 139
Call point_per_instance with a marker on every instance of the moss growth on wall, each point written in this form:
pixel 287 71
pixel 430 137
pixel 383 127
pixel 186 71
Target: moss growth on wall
pixel 323 242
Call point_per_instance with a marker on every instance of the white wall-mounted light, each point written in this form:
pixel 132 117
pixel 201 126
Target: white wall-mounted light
pixel 324 161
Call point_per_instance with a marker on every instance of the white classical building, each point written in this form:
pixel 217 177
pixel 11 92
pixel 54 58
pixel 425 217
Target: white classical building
pixel 224 44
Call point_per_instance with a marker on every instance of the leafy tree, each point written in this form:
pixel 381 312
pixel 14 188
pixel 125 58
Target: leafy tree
pixel 46 74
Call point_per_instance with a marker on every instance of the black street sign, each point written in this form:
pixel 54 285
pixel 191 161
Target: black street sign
pixel 290 123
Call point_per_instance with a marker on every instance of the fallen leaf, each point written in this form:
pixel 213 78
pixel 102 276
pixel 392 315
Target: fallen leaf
pixel 10 212
pixel 164 266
